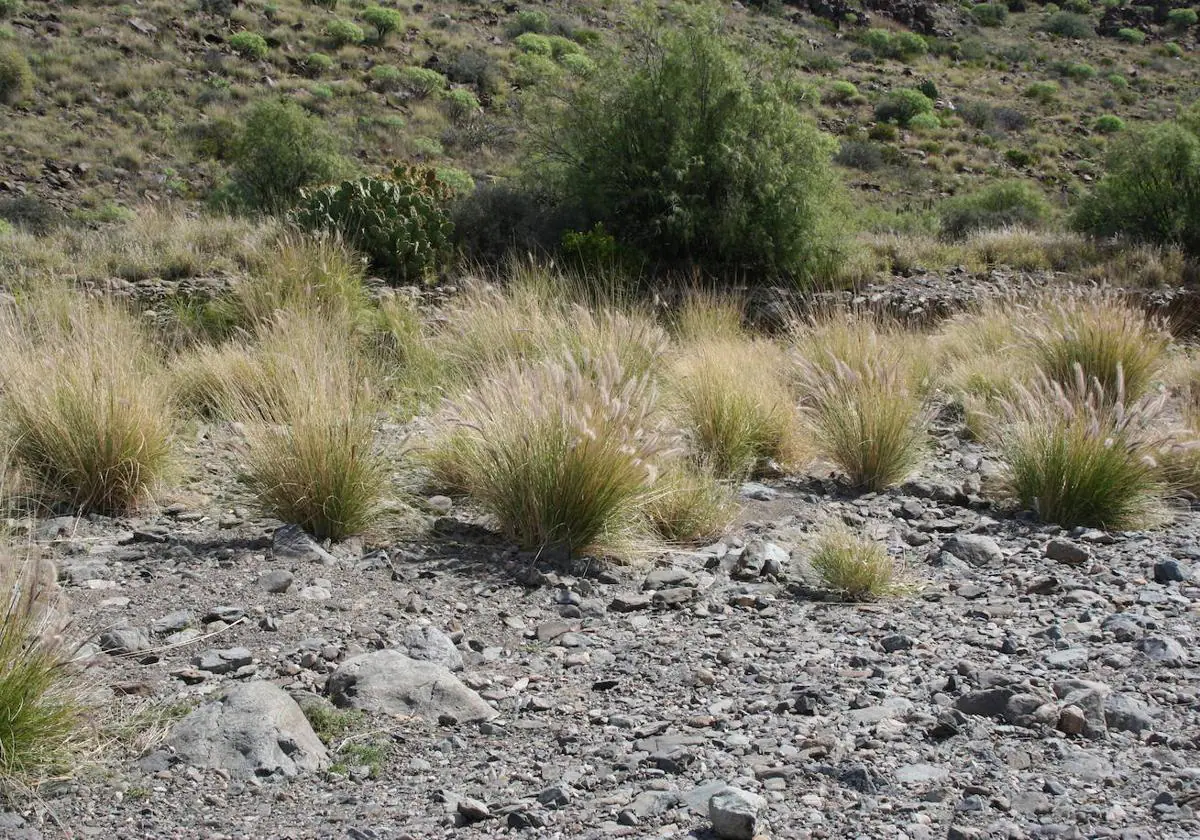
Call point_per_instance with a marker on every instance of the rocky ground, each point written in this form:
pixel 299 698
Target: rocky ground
pixel 1032 683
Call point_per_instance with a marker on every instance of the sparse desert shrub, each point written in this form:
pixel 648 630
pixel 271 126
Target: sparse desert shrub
pixel 343 33
pixel 1086 461
pixel 990 14
pixel 578 64
pixel 279 150
pixel 857 567
pixel 402 222
pixel 9 8
pixel 899 45
pixel 16 79
pixel 1001 204
pixel 838 338
pixel 533 43
pixel 688 505
pixel 1150 191
pixel 866 156
pixel 1131 36
pixel 1043 92
pixel 475 68
pixel 249 45
pixel 318 63
pixel 1069 25
pixel 385 20
pixel 643 149
pixel 732 401
pixel 213 381
pixel 458 181
pixel 1181 18
pixel 561 47
pixel 385 76
pixel 561 457
pixel 1108 124
pixel 533 70
pixel 840 91
pixel 421 81
pixel 977 114
pixel 460 104
pixel 1114 345
pixel 529 20
pixel 870 422
pixel 900 106
pixel 40 704
pixel 85 408
pixel 924 122
pixel 310 457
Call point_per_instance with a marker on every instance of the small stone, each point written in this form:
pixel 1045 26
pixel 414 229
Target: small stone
pixel 1170 571
pixel 1163 650
pixel 440 504
pixel 121 641
pixel 315 593
pixel 974 549
pixel 172 623
pixel 474 810
pixel 631 603
pixel 223 661
pixel 557 796
pixel 896 642
pixel 734 814
pixel 669 578
pixel 1065 551
pixel 1072 720
pixel 276 581
pixel 291 543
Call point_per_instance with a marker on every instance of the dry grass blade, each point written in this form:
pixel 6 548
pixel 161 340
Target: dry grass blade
pixel 708 315
pixel 856 567
pixel 688 505
pixel 85 405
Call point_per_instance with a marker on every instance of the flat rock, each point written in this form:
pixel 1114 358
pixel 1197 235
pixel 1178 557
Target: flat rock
pixel 1065 551
pixel 388 682
pixel 430 644
pixel 291 543
pixel 256 729
pixel 276 581
pixel 974 549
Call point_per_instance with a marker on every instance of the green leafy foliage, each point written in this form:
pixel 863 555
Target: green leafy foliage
pixel 990 14
pixel 1108 124
pixel 385 20
pixel 421 81
pixel 1182 18
pixel 1131 36
pixel 16 79
pixel 1069 25
pixel 900 106
pixel 1007 203
pixel 279 150
pixel 682 154
pixel 1151 188
pixel 343 33
pixel 401 222
pixel 249 45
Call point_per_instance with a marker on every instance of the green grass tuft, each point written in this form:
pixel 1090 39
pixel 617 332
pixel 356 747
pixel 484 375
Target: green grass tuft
pixel 857 568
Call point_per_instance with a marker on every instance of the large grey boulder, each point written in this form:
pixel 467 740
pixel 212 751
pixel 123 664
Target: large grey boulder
pixel 389 682
pixel 256 729
pixel 975 549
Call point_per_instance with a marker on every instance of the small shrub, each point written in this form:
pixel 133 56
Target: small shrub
pixel 529 20
pixel 990 14
pixel 1181 18
pixel 1069 25
pixel 1131 36
pixel 924 122
pixel 458 181
pixel 856 567
pixel 533 70
pixel 856 154
pixel 536 44
pixel 578 64
pixel 688 505
pixel 902 105
pixel 40 711
pixel 1043 92
pixel 318 64
pixel 1012 203
pixel 1113 344
pixel 385 20
pixel 249 45
pixel 561 47
pixel 561 457
pixel 9 8
pixel 401 222
pixel 475 68
pixel 909 45
pixel 869 422
pixel 385 76
pixel 731 399
pixel 840 91
pixel 279 150
pixel 343 33
pixel 16 79
pixel 310 456
pixel 85 407
pixel 460 104
pixel 1083 461
pixel 421 81
pixel 1108 124
pixel 707 315
pixel 978 115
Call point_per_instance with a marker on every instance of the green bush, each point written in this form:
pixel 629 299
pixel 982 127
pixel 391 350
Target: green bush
pixel 401 223
pixel 1150 191
pixel 458 181
pixel 682 154
pixel 421 82
pixel 1131 36
pixel 385 20
pixel 560 47
pixel 318 63
pixel 1079 7
pixel 840 91
pixel 924 122
pixel 578 64
pixel 460 104
pixel 990 14
pixel 900 45
pixel 385 76
pixel 1069 25
pixel 529 21
pixel 8 8
pixel 1001 204
pixel 249 45
pixel 532 43
pixel 16 79
pixel 1181 18
pixel 342 33
pixel 1108 124
pixel 279 150
pixel 1043 92
pixel 902 105
pixel 533 69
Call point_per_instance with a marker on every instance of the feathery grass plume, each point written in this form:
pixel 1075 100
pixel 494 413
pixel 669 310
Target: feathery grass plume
pixel 860 340
pixel 632 335
pixel 1182 375
pixel 1179 465
pixel 310 454
pixel 870 421
pixel 705 315
pixel 301 271
pixel 213 381
pixel 1108 338
pixel 559 455
pixel 85 406
pixel 688 504
pixel 979 363
pixel 41 716
pixel 856 567
pixel 732 401
pixel 1078 455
